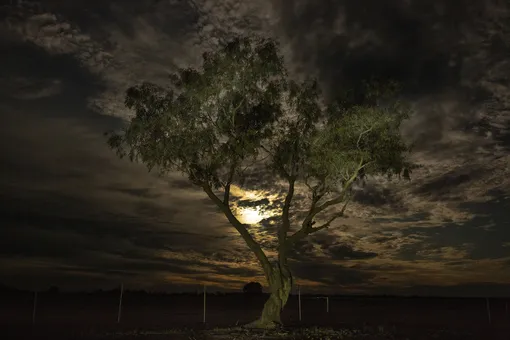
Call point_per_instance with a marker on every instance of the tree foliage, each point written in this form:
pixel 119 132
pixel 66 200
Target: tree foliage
pixel 208 121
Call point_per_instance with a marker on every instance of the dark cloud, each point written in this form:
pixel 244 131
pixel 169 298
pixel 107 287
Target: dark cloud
pixel 482 237
pixel 414 41
pixel 37 235
pixel 416 217
pixel 452 180
pixel 173 17
pixel 346 252
pixel 340 251
pixel 329 274
pixel 252 203
pixel 137 192
pixel 435 49
pixel 464 290
pixel 302 251
pixel 376 196
pixel 49 85
pixel 73 211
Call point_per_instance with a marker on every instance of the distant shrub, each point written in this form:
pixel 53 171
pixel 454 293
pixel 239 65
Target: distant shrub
pixel 54 290
pixel 252 288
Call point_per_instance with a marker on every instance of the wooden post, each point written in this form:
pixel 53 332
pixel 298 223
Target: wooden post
pixel 204 302
pixel 488 309
pixel 120 302
pixel 506 309
pixel 35 307
pixel 299 302
pixel 327 304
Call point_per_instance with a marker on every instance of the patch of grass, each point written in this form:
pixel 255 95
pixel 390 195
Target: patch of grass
pixel 240 333
pixel 298 333
pixel 312 333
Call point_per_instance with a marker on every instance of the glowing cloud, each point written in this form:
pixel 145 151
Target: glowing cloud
pixel 251 215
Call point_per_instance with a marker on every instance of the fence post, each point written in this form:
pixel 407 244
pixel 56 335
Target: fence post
pixel 327 304
pixel 35 306
pixel 204 301
pixel 120 301
pixel 488 309
pixel 299 301
pixel 506 309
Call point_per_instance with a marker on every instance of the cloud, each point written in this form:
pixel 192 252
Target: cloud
pixel 486 233
pixel 76 211
pixel 330 274
pixel 344 252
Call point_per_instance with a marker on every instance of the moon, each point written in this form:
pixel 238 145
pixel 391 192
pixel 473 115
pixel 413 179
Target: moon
pixel 251 215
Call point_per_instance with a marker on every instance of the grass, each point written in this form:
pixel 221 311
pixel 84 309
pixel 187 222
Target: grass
pixel 378 332
pixel 308 333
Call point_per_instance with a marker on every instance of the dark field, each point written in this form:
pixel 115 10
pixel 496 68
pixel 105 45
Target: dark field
pixel 66 316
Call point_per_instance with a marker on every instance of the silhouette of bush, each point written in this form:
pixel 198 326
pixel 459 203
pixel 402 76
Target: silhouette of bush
pixel 53 290
pixel 252 288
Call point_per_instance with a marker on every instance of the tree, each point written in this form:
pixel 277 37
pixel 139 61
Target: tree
pixel 252 288
pixel 240 110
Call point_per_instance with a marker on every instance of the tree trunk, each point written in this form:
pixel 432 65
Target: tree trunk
pixel 280 285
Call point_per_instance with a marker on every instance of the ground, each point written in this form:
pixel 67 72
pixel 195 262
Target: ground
pixel 180 317
pixel 239 333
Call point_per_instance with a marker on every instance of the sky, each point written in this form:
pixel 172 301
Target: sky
pixel 75 216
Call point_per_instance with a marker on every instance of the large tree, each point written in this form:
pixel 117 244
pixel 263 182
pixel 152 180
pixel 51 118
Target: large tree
pixel 240 110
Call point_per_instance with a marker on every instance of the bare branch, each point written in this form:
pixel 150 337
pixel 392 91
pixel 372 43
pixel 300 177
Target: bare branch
pixel 285 214
pixel 235 110
pixel 226 195
pixel 307 225
pixel 308 184
pixel 361 135
pixel 266 150
pixel 314 230
pixel 241 229
pixel 284 172
pixel 250 165
pixel 341 213
pixel 345 188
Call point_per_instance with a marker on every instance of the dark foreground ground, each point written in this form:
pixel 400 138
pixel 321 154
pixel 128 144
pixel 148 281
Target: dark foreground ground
pixel 179 317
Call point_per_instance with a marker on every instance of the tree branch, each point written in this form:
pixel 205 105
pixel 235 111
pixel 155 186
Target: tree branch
pixel 284 172
pixel 334 217
pixel 361 135
pixel 241 229
pixel 346 186
pixel 282 235
pixel 266 150
pixel 284 229
pixel 226 195
pixel 308 221
pixel 307 225
pixel 234 111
